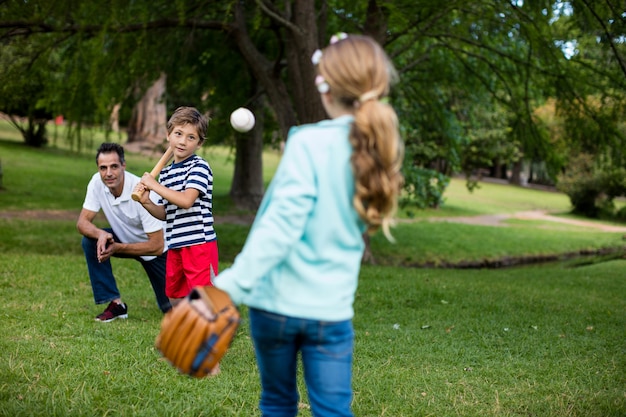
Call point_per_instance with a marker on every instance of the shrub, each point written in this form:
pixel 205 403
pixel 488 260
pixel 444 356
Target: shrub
pixel 423 187
pixel 592 188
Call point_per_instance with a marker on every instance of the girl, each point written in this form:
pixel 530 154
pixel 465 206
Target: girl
pixel 299 268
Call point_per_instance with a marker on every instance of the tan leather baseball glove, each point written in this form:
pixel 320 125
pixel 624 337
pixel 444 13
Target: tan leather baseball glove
pixel 197 332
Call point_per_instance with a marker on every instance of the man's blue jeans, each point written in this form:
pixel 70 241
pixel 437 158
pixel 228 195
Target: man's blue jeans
pixel 103 282
pixel 326 349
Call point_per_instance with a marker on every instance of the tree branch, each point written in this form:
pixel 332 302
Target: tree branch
pixel 274 15
pixel 621 62
pixel 27 28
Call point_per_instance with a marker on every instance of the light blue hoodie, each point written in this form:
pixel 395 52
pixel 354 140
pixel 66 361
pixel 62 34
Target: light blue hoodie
pixel 303 254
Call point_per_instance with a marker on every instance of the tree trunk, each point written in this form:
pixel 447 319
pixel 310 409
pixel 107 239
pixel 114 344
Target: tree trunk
pixel 301 42
pixel 300 21
pixel 368 257
pixel 247 187
pixel 516 173
pixel 147 127
pixel 114 119
pixel 376 22
pixel 297 100
pixel 33 129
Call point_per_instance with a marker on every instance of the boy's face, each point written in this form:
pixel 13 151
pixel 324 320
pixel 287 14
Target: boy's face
pixel 184 141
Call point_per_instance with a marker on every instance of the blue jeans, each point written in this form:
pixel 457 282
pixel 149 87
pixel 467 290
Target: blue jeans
pixel 326 349
pixel 103 282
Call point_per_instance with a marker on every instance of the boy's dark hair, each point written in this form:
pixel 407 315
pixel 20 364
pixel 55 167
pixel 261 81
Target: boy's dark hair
pixel 108 147
pixel 189 115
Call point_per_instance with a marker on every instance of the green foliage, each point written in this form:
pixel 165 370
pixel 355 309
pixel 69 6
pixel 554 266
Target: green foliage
pixel 21 97
pixel 423 187
pixel 489 141
pixel 92 57
pixel 469 84
pixel 432 147
pixel 471 73
pixel 582 185
pixel 591 187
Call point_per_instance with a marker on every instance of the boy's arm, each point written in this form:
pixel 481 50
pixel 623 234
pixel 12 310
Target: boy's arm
pixel 183 199
pixel 157 211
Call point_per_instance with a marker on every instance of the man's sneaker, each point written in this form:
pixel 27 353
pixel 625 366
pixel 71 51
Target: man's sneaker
pixel 112 312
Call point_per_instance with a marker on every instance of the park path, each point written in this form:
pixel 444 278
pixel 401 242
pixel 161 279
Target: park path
pixel 73 215
pixel 534 215
pixel 487 220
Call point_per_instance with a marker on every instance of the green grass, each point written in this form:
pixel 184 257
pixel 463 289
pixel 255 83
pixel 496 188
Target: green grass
pixel 426 243
pixel 491 198
pixel 542 340
pixel 538 341
pixel 56 179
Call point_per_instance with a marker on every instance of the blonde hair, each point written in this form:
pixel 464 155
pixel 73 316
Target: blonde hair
pixel 359 74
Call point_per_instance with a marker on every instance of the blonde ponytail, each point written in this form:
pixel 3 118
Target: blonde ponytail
pixel 359 74
pixel 376 163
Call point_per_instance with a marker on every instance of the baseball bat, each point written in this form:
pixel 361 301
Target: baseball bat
pixel 157 168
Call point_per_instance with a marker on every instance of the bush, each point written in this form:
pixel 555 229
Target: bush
pixel 424 187
pixel 592 188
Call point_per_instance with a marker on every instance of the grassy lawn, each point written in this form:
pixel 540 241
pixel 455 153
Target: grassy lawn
pixel 541 340
pixel 492 198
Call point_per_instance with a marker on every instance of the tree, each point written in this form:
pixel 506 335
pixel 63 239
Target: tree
pixel 592 116
pixel 21 97
pixel 286 41
pixel 466 67
pixel 147 129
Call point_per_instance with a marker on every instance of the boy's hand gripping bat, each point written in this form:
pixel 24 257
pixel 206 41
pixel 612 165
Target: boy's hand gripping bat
pixel 155 171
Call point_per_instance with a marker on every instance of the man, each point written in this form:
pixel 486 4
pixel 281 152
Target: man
pixel 134 233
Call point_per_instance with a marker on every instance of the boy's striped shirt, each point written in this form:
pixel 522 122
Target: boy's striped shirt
pixel 187 227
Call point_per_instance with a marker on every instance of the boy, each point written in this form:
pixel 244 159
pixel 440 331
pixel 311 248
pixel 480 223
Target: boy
pixel 186 204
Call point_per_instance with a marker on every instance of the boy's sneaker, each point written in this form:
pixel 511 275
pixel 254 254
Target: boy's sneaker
pixel 112 312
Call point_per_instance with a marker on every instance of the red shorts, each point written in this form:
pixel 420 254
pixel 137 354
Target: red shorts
pixel 189 267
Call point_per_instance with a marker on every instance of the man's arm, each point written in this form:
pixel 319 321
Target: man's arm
pixel 86 227
pixel 152 247
pixel 107 246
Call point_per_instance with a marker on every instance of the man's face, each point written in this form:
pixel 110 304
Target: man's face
pixel 112 172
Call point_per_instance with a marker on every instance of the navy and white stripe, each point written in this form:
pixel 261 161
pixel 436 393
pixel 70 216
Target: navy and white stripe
pixel 193 226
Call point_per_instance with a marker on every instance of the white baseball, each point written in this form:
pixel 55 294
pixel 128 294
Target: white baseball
pixel 242 119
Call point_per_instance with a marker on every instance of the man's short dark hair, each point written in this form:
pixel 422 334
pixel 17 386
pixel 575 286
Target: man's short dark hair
pixel 108 147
